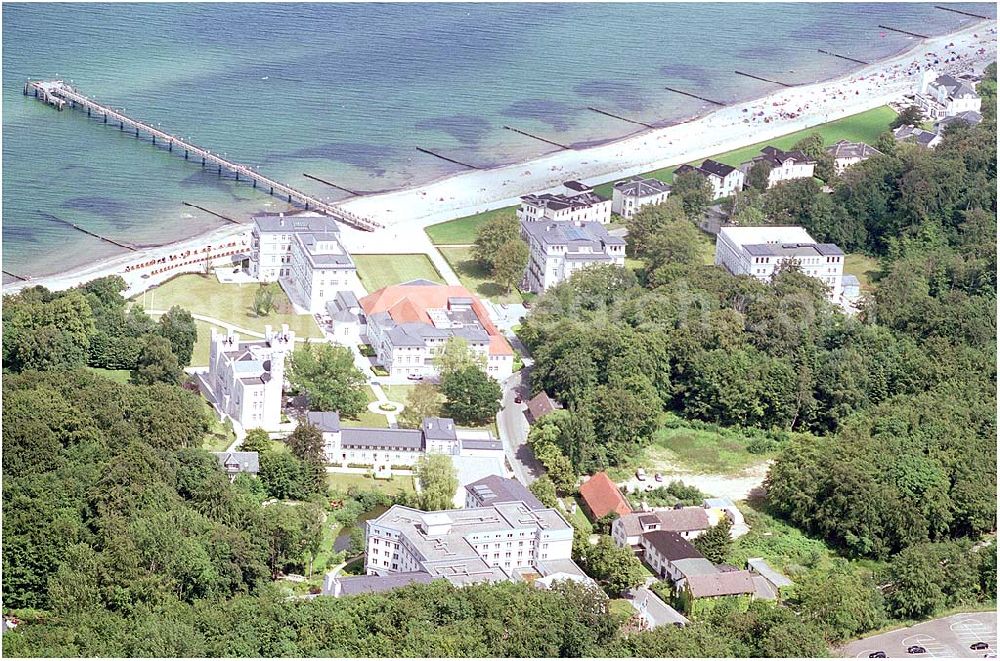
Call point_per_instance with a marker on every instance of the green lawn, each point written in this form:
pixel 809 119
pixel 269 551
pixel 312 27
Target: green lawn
pixel 621 607
pixel 341 482
pixel 398 393
pixel 863 267
pixel 580 517
pixel 377 271
pixel 462 231
pixel 232 303
pixel 476 277
pixel 220 435
pixel 119 376
pixel 367 418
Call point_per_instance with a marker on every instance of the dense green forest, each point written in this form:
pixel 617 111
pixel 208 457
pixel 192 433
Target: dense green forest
pixel 122 537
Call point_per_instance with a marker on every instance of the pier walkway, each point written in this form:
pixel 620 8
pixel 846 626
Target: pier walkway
pixel 58 94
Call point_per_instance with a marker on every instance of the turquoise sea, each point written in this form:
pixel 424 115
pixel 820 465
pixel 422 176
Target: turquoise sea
pixel 346 92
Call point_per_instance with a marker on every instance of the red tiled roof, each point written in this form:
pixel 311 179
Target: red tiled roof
pixel 409 304
pixel 603 497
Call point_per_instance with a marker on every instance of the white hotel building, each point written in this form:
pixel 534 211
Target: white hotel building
pixel 245 379
pixel 558 250
pixel 760 251
pixel 304 254
pixel 578 202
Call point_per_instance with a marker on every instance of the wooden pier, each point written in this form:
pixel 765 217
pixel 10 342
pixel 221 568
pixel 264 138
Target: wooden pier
pixel 843 57
pixel 445 158
pixel 694 96
pixel 912 34
pixel 551 142
pixel 624 119
pixel 959 11
pixel 58 94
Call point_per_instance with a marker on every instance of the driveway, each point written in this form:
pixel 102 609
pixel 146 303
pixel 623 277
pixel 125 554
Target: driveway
pixel 513 428
pixel 735 487
pixel 944 637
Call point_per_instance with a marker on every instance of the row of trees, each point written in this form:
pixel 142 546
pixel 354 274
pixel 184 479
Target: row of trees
pixel 89 325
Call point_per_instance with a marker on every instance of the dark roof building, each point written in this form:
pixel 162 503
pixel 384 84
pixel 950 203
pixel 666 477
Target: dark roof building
pixel 540 405
pixel 346 586
pixel 493 490
pixel 671 545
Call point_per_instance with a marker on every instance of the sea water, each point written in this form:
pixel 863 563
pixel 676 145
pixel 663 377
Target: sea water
pixel 347 92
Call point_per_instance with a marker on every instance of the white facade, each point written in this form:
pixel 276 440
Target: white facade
pixel 946 96
pixel 629 196
pixel 845 154
pixel 785 166
pixel 246 378
pixel 724 179
pixel 576 202
pixel 466 545
pixel 558 250
pixel 760 251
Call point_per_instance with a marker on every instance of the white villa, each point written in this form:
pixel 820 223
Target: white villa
pixel 245 379
pixel 760 251
pixel 630 195
pixel 409 324
pixel 785 165
pixel 946 96
pixel 577 202
pixel 557 250
pixel 304 254
pixel 725 179
pixel 386 449
pixel 845 154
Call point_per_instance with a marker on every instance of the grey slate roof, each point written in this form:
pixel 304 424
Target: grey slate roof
pixel 671 545
pixel 572 235
pixel 327 421
pixel 293 224
pixel 657 612
pixel 481 444
pixel 495 489
pixel 970 117
pixel 439 429
pixel 845 149
pixel 248 462
pixel 577 186
pixel 686 519
pixel 707 168
pixel 640 187
pixel 956 88
pixel 920 136
pixel 777 157
pixel 792 249
pixel 721 584
pixel 351 585
pixel 361 437
pixel 761 566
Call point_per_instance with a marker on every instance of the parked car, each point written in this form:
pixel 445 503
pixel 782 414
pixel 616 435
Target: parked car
pixel 414 377
pixel 517 399
pixel 640 475
pixel 915 649
pixel 877 655
pixel 979 646
pixel 658 477
pixel 649 487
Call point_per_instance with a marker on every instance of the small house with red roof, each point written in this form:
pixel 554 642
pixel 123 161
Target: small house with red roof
pixel 409 324
pixel 539 406
pixel 601 497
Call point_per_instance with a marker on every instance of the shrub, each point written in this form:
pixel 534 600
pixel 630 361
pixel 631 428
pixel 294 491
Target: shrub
pixel 378 370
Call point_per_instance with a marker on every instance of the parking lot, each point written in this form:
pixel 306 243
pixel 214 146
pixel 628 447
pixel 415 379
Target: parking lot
pixel 945 637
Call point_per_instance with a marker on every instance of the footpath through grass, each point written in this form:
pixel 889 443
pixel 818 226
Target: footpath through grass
pixel 378 271
pixel 863 127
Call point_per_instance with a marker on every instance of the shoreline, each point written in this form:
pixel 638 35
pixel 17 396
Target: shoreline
pixel 699 136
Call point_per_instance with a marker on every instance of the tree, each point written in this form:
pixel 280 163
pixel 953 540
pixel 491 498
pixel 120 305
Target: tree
pixel 545 490
pixel 716 542
pixel 614 567
pixel 306 442
pixel 327 375
pixel 843 602
pixel 509 263
pixel 813 147
pixel 472 397
pixel 177 327
pixel 357 543
pixel 286 477
pixel 423 401
pixel 758 178
pixel 679 242
pixel 649 222
pixel 438 482
pixel 156 363
pixel 494 235
pixel 694 191
pixel 917 584
pixel 264 300
pixel 256 440
pixel 456 355
pixel 911 116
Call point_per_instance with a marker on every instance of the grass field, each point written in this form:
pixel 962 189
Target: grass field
pixel 341 482
pixel 621 607
pixel 462 231
pixel 579 516
pixel 398 393
pixel 119 376
pixel 863 127
pixel 205 295
pixel 475 277
pixel 377 271
pixel 863 267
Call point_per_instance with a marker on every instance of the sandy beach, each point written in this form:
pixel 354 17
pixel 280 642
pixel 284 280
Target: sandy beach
pixel 405 213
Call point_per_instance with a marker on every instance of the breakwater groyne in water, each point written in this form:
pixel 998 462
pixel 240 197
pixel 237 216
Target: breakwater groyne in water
pixel 58 94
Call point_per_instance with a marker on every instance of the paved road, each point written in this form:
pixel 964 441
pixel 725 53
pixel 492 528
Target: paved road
pixel 513 429
pixel 947 637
